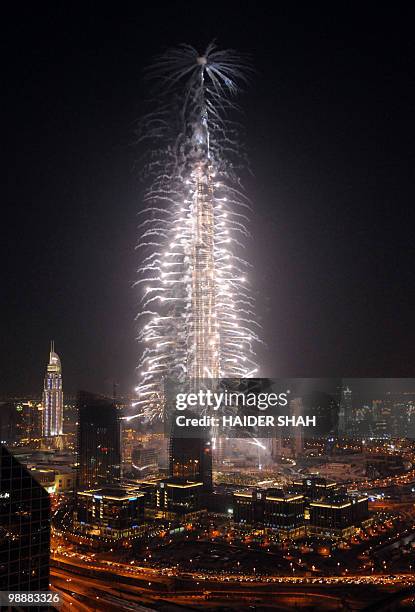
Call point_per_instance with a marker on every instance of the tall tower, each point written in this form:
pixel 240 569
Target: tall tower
pixel 296 409
pixel 345 420
pixel 25 528
pixel 99 447
pixel 203 346
pixel 190 454
pixel 197 314
pixel 52 419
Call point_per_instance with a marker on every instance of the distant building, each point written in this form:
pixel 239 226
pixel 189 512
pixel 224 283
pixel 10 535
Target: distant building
pixel 53 480
pixel 113 513
pixel 144 460
pixel 338 516
pixel 24 528
pixel 8 423
pixel 178 498
pixel 313 506
pixel 345 422
pixel 99 453
pixel 274 509
pixel 20 421
pixel 52 401
pixel 296 409
pixel 314 488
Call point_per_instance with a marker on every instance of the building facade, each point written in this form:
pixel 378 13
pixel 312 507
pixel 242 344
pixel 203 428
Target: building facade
pixel 177 498
pixel 24 528
pixel 52 400
pixel 190 455
pixel 273 509
pixel 111 513
pixel 338 517
pixel 99 452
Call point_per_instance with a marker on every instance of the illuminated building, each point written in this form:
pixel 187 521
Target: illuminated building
pixel 54 481
pixel 52 401
pixel 176 497
pixel 314 488
pixel 20 421
pixel 273 509
pixel 345 412
pixel 196 308
pixel 338 517
pixel 99 453
pixel 112 513
pixel 296 409
pixel 24 528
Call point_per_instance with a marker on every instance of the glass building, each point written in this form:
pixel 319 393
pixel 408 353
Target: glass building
pixel 99 453
pixel 24 528
pixel 190 454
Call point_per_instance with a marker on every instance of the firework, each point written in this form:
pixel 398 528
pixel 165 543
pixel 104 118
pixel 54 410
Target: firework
pixel 197 313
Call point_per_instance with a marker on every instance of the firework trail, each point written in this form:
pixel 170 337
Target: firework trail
pixel 197 313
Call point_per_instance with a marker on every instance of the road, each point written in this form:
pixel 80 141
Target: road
pixel 106 589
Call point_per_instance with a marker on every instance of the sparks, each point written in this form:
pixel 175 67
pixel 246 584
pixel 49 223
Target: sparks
pixel 197 312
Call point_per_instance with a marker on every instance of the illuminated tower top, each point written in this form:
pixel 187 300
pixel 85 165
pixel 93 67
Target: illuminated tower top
pixel 54 364
pixel 52 421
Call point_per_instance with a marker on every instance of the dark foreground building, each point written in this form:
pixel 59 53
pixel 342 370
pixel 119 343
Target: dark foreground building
pixel 99 453
pixel 190 456
pixel 24 528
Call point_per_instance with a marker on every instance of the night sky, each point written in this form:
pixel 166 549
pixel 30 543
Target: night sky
pixel 329 119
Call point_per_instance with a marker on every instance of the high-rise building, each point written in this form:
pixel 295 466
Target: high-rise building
pixel 191 457
pixel 24 528
pixel 345 412
pixel 99 448
pixel 52 418
pixel 296 409
pixel 314 488
pixel 198 293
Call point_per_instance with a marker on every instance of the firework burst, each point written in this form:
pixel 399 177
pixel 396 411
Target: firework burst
pixel 197 313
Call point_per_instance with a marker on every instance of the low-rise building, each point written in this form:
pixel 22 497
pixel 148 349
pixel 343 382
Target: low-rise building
pixel 110 513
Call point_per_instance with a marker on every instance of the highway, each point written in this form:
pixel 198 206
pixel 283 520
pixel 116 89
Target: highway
pixel 98 588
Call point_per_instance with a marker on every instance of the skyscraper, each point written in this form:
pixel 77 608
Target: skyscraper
pixel 345 412
pixel 52 419
pixel 99 453
pixel 197 311
pixel 296 409
pixel 191 455
pixel 24 528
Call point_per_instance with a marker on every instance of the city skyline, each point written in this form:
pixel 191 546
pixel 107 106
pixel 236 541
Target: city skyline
pixel 332 249
pixel 210 211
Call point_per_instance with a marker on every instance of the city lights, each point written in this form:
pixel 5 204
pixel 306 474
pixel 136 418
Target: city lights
pixel 197 318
